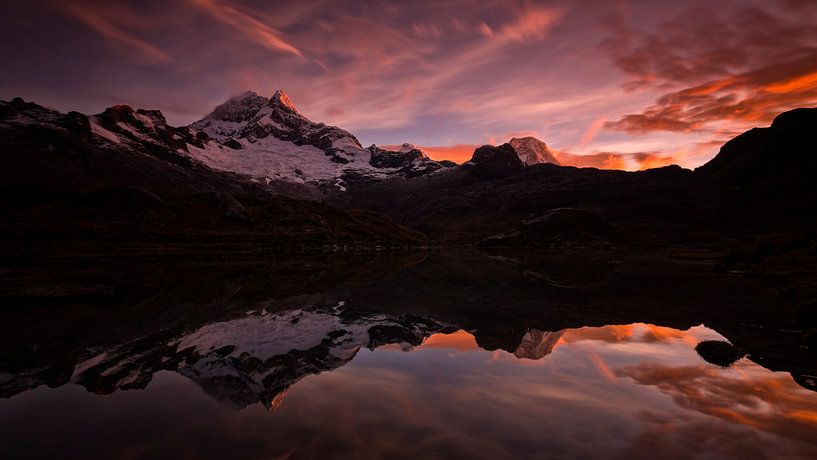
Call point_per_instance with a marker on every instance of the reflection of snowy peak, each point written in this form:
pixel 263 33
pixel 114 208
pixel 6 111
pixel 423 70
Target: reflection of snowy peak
pixel 269 139
pixel 537 344
pixel 257 357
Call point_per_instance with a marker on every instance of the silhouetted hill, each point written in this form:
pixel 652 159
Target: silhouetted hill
pixel 779 158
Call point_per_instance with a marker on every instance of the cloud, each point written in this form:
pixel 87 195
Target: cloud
pixel 247 24
pixel 531 24
pixel 592 131
pixel 744 66
pixel 100 19
pixel 653 160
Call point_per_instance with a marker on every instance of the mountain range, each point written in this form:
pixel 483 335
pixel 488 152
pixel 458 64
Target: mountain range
pixel 255 175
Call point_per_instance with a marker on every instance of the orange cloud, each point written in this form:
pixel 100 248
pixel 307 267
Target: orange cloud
pixel 758 65
pixel 593 160
pixel 653 160
pixel 459 153
pixel 592 131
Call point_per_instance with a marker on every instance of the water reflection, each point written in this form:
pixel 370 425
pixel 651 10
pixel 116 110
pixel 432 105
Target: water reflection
pixel 439 358
pixel 341 384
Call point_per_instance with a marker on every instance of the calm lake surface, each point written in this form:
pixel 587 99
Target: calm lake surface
pixel 317 373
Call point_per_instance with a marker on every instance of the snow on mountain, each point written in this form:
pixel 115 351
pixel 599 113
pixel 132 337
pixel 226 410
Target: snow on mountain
pixel 269 139
pixel 532 151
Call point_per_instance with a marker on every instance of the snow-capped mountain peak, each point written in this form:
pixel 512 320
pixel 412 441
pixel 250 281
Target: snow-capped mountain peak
pixel 269 139
pixel 281 99
pixel 532 151
pixel 239 108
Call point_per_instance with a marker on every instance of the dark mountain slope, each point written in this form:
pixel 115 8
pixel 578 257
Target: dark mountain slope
pixel 782 157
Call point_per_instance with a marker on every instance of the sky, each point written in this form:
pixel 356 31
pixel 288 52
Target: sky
pixel 624 84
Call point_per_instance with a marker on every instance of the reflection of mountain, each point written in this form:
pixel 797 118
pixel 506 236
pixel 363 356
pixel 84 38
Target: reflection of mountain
pixel 255 357
pixel 110 326
pixel 258 357
pixel 537 344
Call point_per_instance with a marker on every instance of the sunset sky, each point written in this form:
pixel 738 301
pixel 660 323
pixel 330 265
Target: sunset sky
pixel 628 84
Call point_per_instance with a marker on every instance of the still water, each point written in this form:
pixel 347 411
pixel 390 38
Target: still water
pixel 326 375
pixel 618 391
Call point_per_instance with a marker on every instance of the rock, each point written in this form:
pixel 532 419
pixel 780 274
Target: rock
pixel 497 161
pixel 233 144
pixel 718 352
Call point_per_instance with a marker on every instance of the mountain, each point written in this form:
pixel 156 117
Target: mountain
pixel 532 151
pixel 254 358
pixel 71 182
pixel 780 157
pixel 269 139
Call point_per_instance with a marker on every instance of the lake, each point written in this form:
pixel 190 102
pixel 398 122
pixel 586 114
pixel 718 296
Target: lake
pixel 432 356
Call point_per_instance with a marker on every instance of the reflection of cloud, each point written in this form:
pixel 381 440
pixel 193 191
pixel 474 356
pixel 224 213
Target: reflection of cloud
pixel 671 437
pixel 460 341
pixel 610 334
pixel 770 402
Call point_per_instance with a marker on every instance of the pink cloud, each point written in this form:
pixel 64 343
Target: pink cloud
pixel 100 18
pixel 247 24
